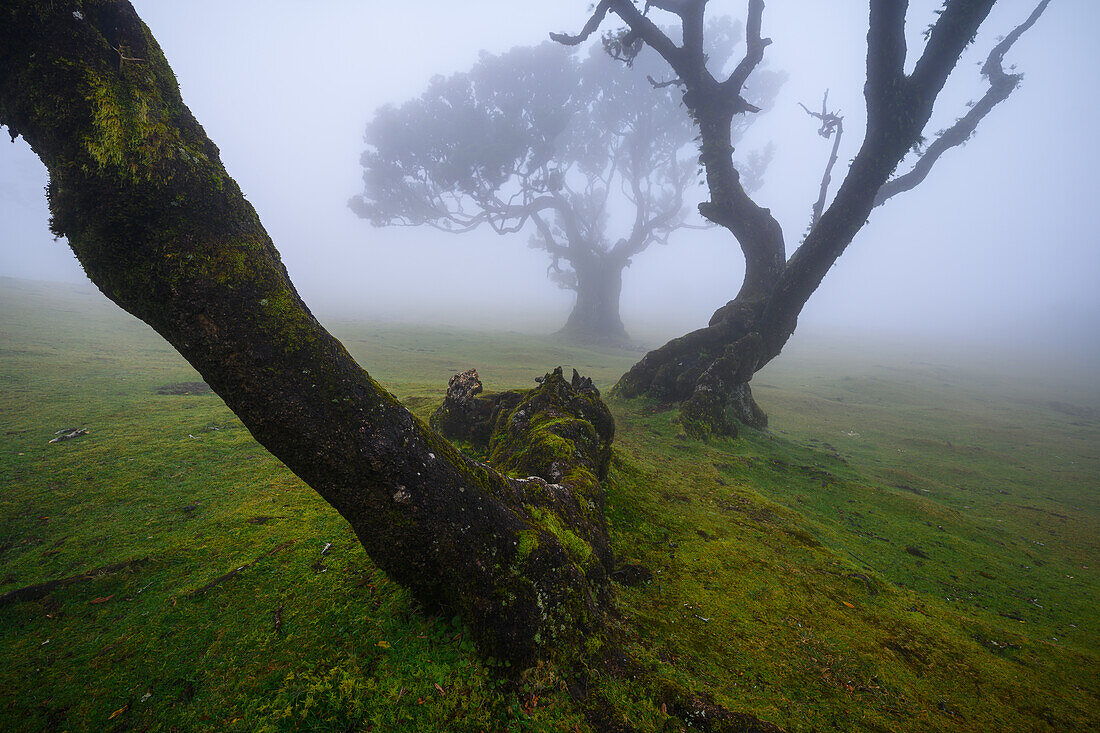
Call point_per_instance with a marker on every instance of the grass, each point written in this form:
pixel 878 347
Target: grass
pixel 910 547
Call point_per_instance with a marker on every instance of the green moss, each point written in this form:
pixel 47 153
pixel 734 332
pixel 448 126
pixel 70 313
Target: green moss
pixel 578 548
pixel 528 541
pixel 132 131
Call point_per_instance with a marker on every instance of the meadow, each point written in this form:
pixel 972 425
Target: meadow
pixel 911 545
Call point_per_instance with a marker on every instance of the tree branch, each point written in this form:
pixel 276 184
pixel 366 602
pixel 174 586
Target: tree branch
pixel 662 84
pixel 832 125
pixel 947 39
pixel 885 57
pixel 677 7
pixel 590 27
pixel 1001 86
pixel 754 49
pixel 648 229
pixel 549 242
pixel 649 33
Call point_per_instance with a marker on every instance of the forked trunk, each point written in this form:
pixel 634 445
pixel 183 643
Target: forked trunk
pixel 708 370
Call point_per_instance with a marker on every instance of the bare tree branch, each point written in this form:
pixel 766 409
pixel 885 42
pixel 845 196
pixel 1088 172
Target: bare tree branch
pixel 662 84
pixel 754 49
pixel 691 20
pixel 1001 86
pixel 993 64
pixel 832 125
pixel 885 56
pixel 589 28
pixel 947 39
pixel 678 7
pixel 654 37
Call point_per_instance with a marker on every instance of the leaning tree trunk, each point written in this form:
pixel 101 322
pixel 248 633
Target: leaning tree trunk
pixel 140 193
pixel 595 316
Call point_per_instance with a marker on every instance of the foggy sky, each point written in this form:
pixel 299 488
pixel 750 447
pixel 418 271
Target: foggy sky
pixel 998 243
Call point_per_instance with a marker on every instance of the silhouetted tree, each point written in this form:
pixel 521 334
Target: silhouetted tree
pixel 708 370
pixel 536 138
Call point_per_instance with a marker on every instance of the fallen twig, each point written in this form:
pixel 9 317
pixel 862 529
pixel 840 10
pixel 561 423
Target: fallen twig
pixel 67 433
pixel 231 573
pixel 865 579
pixel 279 617
pixel 41 590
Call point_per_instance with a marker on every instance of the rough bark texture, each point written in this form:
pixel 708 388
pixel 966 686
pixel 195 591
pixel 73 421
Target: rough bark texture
pixel 140 193
pixel 708 371
pixel 468 414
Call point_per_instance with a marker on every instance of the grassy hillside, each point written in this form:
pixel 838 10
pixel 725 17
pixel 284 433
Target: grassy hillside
pixel 910 547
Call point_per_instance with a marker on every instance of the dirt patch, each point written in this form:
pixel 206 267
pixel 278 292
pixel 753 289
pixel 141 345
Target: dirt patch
pixel 185 388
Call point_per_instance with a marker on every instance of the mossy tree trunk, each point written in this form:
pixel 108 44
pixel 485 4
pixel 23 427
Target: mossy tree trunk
pixel 708 371
pixel 158 225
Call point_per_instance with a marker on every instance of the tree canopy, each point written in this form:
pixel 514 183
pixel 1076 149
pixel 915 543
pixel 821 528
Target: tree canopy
pixel 558 143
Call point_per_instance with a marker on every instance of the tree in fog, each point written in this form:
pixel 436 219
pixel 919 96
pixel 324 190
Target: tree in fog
pixel 589 157
pixel 708 370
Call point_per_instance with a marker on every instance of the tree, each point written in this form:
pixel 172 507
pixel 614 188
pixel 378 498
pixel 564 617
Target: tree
pixel 708 370
pixel 141 195
pixel 539 139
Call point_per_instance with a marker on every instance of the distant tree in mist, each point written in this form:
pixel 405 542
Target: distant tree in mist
pixel 567 149
pixel 708 370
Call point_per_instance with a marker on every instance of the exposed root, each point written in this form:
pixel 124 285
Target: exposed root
pixel 41 590
pixel 221 579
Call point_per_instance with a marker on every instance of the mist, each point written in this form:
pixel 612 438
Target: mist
pixel 994 250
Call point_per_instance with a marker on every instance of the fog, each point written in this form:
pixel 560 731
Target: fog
pixel 996 247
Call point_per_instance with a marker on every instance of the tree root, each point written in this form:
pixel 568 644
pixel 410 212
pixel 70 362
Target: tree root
pixel 221 579
pixel 41 590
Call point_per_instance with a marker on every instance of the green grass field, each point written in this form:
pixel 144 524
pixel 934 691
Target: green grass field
pixel 911 546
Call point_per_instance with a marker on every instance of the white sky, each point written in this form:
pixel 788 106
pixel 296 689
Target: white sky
pixel 998 243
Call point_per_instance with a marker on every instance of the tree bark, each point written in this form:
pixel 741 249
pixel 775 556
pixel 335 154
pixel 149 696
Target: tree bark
pixel 595 317
pixel 159 226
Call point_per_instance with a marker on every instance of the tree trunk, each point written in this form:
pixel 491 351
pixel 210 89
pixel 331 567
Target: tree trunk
pixel 140 193
pixel 595 317
pixel 708 372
